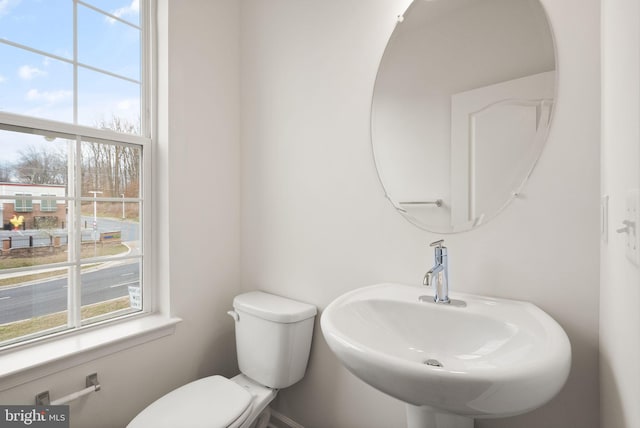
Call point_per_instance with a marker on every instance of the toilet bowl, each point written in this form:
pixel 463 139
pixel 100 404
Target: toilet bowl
pixel 273 339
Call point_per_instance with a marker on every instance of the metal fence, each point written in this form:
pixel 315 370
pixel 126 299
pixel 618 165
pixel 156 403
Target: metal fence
pixel 38 238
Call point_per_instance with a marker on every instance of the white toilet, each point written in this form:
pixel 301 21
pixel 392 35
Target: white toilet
pixel 273 338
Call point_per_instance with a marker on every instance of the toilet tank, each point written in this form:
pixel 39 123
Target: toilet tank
pixel 273 337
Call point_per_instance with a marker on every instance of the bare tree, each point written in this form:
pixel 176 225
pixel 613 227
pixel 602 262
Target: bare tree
pixel 41 165
pixel 6 172
pixel 112 168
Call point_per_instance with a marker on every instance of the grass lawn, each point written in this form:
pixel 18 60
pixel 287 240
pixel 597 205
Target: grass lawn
pixel 59 319
pixel 106 250
pixel 46 322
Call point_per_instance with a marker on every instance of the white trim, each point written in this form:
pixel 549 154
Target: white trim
pixel 110 15
pixel 74 281
pixel 74 64
pixel 150 275
pixel 148 68
pixel 20 123
pixel 62 349
pixel 108 73
pixel 61 199
pixel 45 357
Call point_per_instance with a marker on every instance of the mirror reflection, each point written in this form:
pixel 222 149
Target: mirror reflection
pixel 461 108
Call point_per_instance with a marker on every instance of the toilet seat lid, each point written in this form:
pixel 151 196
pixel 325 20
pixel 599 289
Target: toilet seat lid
pixel 211 402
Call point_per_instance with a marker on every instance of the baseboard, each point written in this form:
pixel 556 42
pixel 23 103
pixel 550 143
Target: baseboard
pixel 278 420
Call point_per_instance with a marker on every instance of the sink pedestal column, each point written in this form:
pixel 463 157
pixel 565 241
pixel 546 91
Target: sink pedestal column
pixel 428 417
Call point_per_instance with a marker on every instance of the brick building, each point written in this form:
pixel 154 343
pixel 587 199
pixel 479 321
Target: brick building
pixel 36 203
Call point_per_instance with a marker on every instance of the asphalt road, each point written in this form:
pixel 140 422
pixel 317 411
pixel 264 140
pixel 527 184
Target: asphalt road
pixel 50 296
pixel 130 230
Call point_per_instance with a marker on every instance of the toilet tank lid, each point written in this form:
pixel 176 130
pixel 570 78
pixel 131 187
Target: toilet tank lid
pixel 273 308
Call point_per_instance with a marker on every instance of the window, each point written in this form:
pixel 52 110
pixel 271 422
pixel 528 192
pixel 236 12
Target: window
pixel 48 205
pixel 74 131
pixel 23 203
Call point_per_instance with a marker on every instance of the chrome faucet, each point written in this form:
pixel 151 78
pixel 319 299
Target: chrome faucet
pixel 439 274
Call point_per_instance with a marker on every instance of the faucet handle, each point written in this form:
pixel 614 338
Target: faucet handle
pixel 437 243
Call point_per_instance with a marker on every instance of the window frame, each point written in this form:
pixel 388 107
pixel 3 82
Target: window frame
pixel 48 204
pixel 26 202
pixel 24 361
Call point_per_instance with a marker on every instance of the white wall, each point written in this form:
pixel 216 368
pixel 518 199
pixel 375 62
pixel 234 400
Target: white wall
pixel 201 121
pixel 620 280
pixel 314 220
pixel 315 223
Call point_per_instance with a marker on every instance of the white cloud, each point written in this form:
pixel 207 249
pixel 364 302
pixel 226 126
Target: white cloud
pixel 124 105
pixel 2 79
pixel 50 97
pixel 132 10
pixel 7 5
pixel 26 72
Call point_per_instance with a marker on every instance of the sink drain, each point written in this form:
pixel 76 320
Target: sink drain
pixel 434 363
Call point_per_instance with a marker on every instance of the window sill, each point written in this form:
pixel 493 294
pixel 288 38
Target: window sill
pixel 31 362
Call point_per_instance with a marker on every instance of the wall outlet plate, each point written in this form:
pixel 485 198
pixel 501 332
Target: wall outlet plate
pixel 632 216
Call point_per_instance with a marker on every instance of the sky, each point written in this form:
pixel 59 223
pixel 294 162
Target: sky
pixel 37 85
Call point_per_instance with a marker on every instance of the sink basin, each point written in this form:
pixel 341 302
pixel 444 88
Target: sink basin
pixel 486 357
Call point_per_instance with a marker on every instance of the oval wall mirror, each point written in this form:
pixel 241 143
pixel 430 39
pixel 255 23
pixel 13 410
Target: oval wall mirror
pixel 461 108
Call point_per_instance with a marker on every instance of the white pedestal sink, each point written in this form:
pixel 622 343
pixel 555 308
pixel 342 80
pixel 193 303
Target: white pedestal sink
pixel 487 358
